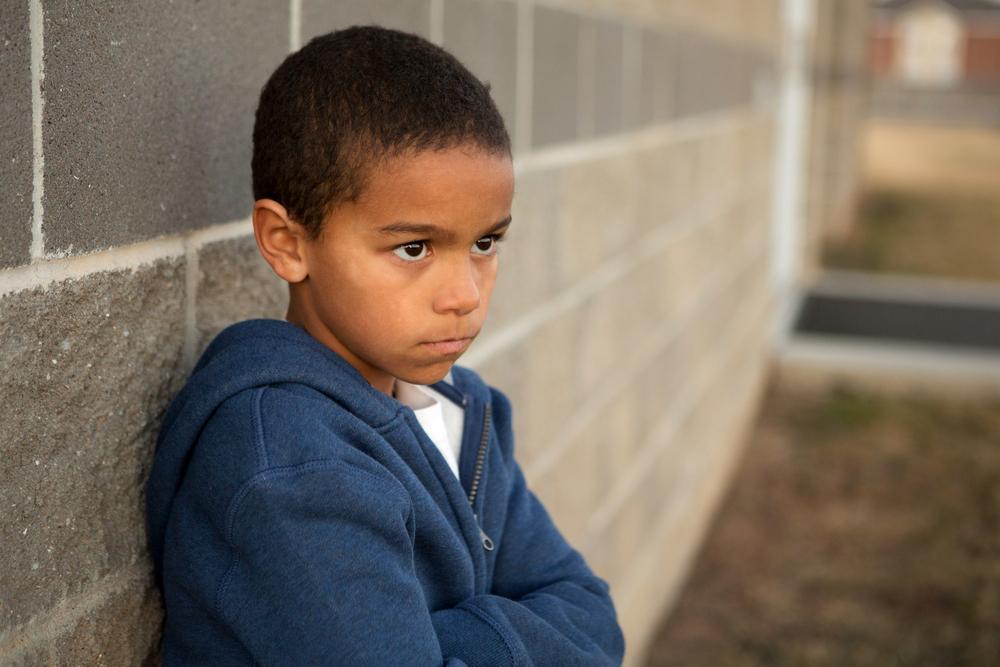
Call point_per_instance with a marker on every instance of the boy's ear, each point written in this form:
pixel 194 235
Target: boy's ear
pixel 280 240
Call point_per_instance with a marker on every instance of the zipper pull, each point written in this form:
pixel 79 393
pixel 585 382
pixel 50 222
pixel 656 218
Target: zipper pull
pixel 483 537
pixel 487 542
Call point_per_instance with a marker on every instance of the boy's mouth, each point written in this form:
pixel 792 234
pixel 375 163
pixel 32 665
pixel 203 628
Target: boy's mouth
pixel 448 345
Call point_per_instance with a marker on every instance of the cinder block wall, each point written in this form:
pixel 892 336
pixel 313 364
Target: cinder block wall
pixel 629 328
pixel 841 92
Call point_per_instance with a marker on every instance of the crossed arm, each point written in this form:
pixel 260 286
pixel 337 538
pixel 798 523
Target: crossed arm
pixel 328 578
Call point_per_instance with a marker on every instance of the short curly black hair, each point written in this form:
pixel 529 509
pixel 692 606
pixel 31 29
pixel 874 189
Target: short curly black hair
pixel 350 99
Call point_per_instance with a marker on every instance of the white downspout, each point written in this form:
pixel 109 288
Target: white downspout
pixel 790 177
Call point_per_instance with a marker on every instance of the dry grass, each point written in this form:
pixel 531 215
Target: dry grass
pixel 931 204
pixel 932 158
pixel 861 530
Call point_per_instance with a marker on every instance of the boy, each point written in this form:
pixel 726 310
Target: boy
pixel 330 489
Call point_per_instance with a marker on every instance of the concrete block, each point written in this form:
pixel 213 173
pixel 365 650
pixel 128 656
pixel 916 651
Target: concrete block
pixel 642 290
pixel 15 135
pixel 700 78
pixel 610 333
pixel 679 450
pixel 750 217
pixel 666 271
pixel 148 115
pixel 666 182
pixel 631 74
pixel 656 490
pixel 549 357
pixel 721 314
pixel 606 355
pixel 687 90
pixel 651 584
pixel 600 555
pixel 722 166
pixel 526 277
pixel 586 74
pixel 536 374
pixel 483 35
pixel 598 202
pixel 668 374
pixel 756 77
pixel 657 78
pixel 674 291
pixel 120 626
pixel 571 490
pixel 235 283
pixel 91 365
pixel 322 16
pixel 617 434
pixel 739 69
pixel 504 371
pixel 629 531
pixel 761 148
pixel 555 90
pixel 623 319
pixel 658 392
pixel 32 656
pixel 721 75
pixel 712 175
pixel 124 630
pixel 609 49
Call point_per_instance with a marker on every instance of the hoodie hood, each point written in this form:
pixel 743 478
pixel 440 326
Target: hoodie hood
pixel 245 355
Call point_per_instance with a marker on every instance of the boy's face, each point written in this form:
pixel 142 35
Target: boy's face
pixel 399 281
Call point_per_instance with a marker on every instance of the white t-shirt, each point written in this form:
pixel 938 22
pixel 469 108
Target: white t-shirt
pixel 441 419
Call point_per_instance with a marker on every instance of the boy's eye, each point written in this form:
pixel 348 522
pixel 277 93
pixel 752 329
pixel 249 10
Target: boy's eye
pixel 411 252
pixel 486 245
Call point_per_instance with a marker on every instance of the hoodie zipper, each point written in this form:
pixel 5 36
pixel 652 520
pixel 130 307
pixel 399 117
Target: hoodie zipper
pixel 484 440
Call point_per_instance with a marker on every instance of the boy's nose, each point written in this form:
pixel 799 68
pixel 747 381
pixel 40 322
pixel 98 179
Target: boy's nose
pixel 460 292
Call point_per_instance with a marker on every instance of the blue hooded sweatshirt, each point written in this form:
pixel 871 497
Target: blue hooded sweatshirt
pixel 299 516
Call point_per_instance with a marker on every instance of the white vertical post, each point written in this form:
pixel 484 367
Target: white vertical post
pixel 798 17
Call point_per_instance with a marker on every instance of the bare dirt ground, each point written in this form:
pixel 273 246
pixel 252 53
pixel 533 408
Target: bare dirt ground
pixel 861 530
pixel 930 205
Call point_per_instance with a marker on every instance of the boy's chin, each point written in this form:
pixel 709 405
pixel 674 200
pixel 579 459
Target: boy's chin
pixel 428 374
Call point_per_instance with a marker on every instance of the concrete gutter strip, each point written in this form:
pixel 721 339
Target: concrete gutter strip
pixel 907 288
pixel 892 363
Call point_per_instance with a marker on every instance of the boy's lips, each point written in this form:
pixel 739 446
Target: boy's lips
pixel 448 345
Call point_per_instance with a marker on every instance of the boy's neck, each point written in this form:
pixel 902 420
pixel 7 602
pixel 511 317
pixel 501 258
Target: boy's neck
pixel 380 380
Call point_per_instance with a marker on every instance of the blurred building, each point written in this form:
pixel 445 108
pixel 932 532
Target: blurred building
pixel 937 59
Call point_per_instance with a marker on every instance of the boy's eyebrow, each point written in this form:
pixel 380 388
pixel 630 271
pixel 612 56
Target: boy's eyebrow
pixel 503 224
pixel 433 231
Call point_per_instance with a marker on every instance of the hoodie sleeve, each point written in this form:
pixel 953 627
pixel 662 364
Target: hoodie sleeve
pixel 546 603
pixel 322 570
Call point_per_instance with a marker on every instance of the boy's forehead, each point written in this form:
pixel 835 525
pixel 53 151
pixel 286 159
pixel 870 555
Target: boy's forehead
pixel 419 187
